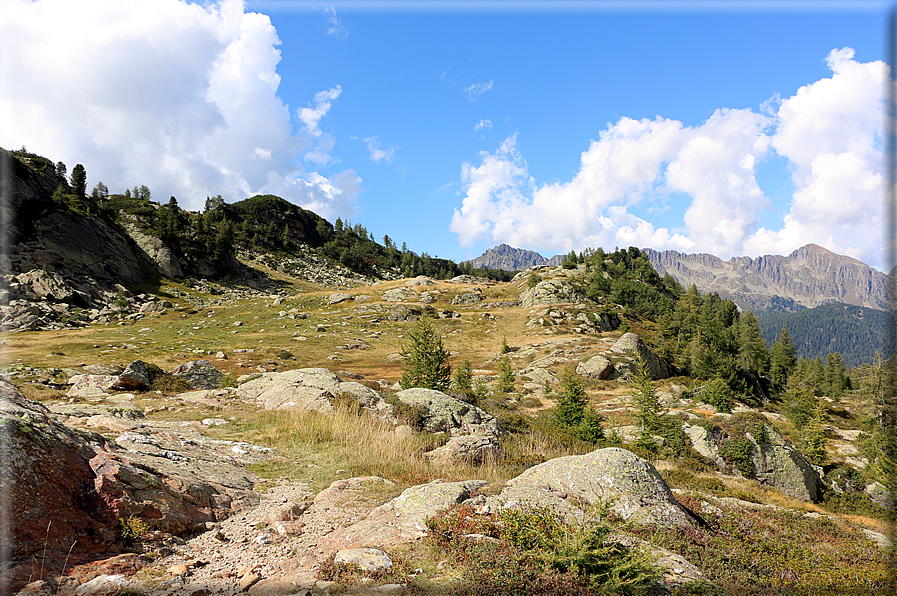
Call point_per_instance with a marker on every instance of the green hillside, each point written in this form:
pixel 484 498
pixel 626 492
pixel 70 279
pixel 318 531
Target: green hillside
pixel 853 331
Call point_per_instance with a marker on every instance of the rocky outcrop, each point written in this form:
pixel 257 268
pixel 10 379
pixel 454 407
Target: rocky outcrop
pixel 631 484
pixel 400 295
pixel 809 276
pixel 70 487
pixel 443 413
pixel 596 367
pixel 473 296
pixel 777 462
pixel 551 291
pixel 306 388
pixel 154 249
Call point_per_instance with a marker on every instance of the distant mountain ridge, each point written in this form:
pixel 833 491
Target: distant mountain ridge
pixel 810 276
pixel 508 258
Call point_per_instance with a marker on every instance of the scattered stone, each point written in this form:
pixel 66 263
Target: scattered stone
pixel 370 560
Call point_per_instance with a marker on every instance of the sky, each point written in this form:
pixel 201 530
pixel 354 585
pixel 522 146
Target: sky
pixel 732 128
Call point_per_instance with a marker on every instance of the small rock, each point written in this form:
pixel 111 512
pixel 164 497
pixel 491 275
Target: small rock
pixel 180 570
pixel 248 580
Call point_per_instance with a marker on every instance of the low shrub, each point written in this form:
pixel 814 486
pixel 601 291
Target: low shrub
pixel 534 552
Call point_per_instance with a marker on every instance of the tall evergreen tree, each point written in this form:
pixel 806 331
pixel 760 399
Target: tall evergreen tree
pixel 79 181
pixel 426 359
pixel 783 358
pixel 753 355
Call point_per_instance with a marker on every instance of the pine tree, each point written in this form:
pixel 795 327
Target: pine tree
pixel 426 359
pixel 753 355
pixel 79 181
pixel 505 376
pixel 783 358
pixel 649 410
pixel 463 380
pixel 571 399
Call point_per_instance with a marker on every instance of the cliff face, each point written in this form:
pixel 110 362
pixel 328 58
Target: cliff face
pixel 508 258
pixel 808 277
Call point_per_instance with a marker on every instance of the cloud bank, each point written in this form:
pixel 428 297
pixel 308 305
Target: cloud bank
pixel 829 131
pixel 179 97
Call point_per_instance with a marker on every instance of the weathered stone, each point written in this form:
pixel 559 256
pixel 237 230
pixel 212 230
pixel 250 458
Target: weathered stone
pixel 445 413
pixel 338 297
pixel 402 519
pixel 201 374
pixel 550 291
pixel 704 443
pixel 90 385
pixel 632 344
pixel 370 560
pixel 420 280
pixel 399 295
pixel 154 250
pixel 880 495
pixel 305 388
pixel 104 585
pixel 596 367
pixel 778 463
pixel 470 449
pixel 474 296
pixel 632 484
pixel 46 285
pixel 137 376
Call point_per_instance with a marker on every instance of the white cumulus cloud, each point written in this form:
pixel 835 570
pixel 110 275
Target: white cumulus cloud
pixel 181 97
pixel 829 131
pixel 483 124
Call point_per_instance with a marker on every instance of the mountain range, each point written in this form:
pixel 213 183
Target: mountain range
pixel 809 277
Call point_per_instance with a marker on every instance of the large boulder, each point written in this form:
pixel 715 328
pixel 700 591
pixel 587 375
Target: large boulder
pixel 402 519
pixel 632 485
pixel 469 449
pixel 596 367
pixel 305 388
pixel 473 296
pixel 777 462
pixel 444 413
pixel 137 376
pixel 201 374
pixel 399 295
pixel 551 291
pixel 632 345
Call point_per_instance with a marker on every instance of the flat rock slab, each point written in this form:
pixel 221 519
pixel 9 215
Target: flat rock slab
pixel 304 388
pixel 402 519
pixel 367 559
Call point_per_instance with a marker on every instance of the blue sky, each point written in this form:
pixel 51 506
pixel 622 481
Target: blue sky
pixel 691 126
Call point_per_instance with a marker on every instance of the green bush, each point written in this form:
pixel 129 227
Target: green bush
pixel 537 553
pixel 717 394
